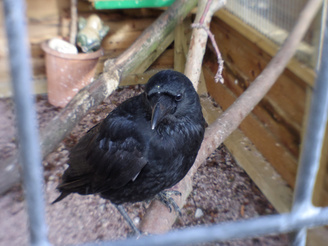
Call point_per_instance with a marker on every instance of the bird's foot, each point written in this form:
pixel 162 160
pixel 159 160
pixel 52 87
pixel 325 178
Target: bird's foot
pixel 168 201
pixel 137 232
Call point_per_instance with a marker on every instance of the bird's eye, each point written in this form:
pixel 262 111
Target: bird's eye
pixel 178 97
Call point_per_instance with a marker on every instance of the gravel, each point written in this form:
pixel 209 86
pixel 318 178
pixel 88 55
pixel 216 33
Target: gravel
pixel 222 190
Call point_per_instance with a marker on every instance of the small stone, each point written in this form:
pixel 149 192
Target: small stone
pixel 136 220
pixel 52 177
pixel 199 213
pixel 102 207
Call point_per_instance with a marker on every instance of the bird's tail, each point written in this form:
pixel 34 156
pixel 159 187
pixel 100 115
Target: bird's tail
pixel 80 186
pixel 61 197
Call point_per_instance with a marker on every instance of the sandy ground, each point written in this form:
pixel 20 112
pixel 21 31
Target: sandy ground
pixel 222 191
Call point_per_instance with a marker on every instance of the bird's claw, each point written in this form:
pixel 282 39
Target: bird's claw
pixel 137 233
pixel 168 201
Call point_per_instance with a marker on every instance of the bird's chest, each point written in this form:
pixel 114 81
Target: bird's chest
pixel 165 143
pixel 167 154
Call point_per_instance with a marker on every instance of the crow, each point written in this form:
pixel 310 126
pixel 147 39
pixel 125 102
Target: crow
pixel 143 147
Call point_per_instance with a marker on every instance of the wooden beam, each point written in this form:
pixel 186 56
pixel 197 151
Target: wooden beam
pixel 272 185
pixel 265 142
pixel 179 54
pixel 303 72
pixel 273 115
pixel 317 237
pixel 247 60
pixel 282 110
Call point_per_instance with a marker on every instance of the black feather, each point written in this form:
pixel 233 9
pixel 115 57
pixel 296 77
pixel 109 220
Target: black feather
pixel 124 160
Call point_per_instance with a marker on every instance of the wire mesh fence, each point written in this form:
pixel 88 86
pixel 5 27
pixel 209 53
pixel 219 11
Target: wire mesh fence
pixel 275 19
pixel 303 215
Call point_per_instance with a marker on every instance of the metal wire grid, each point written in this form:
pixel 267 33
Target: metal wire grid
pixel 276 14
pixel 275 19
pixel 303 215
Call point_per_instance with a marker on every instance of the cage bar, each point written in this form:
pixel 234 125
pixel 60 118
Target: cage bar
pixel 14 12
pixel 304 215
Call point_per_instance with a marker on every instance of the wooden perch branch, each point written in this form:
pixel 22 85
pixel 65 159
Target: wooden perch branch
pixel 205 11
pixel 158 219
pixel 146 45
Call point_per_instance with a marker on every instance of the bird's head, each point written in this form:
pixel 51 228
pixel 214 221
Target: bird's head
pixel 172 97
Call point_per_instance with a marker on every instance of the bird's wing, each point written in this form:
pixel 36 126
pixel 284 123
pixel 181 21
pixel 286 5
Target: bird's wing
pixel 111 154
pixel 77 178
pixel 117 153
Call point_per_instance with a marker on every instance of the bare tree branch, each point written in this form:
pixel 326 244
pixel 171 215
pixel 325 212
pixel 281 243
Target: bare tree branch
pixel 205 11
pixel 218 76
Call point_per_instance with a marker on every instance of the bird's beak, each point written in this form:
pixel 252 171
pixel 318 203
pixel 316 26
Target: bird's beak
pixel 162 108
pixel 156 115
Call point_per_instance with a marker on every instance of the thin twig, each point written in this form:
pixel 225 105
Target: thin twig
pixel 207 7
pixel 199 37
pixel 218 76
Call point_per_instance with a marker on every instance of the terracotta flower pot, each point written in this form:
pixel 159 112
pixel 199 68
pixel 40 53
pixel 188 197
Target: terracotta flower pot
pixel 68 73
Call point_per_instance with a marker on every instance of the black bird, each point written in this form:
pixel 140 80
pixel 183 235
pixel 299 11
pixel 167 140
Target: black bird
pixel 144 146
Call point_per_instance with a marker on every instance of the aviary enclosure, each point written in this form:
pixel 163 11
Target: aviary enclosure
pixel 256 41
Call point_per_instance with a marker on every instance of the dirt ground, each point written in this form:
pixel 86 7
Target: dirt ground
pixel 222 190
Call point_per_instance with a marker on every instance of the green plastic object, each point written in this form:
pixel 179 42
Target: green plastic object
pixel 131 4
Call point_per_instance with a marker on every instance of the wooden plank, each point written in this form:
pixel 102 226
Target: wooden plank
pixel 118 22
pixel 39 87
pixel 137 79
pixel 160 57
pixel 287 134
pixel 165 61
pixel 179 54
pixel 38 33
pixel 280 112
pixel 181 42
pixel 251 160
pixel 43 22
pixel 279 157
pixel 45 19
pixel 249 60
pixel 320 196
pixel 299 69
pixel 317 237
pixel 272 185
pixel 51 9
pixel 123 33
pixel 182 35
pixel 120 40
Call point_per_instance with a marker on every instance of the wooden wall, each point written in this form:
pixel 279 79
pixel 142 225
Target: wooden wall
pixel 267 144
pixel 45 19
pixel 278 117
pixel 48 19
pixel 276 125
